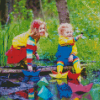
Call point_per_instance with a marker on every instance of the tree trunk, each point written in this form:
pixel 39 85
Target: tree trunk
pixel 35 6
pixel 3 14
pixel 10 8
pixel 63 11
pixel 49 1
pixel 10 4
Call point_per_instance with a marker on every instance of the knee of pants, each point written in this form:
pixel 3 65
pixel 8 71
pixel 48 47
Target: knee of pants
pixel 75 57
pixel 61 63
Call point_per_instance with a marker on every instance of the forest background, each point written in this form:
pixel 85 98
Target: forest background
pixel 17 15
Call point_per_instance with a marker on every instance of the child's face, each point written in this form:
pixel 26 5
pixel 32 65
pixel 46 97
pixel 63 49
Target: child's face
pixel 42 30
pixel 68 33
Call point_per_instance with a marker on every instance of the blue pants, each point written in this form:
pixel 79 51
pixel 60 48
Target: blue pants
pixel 66 62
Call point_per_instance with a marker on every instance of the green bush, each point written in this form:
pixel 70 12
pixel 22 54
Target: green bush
pixel 84 18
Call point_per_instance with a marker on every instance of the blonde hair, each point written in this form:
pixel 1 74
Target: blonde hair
pixel 36 30
pixel 63 27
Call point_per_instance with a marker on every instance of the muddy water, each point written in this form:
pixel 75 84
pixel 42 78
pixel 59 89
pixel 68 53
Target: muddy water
pixel 17 87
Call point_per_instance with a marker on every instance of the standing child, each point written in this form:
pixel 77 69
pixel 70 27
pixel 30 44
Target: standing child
pixel 67 51
pixel 24 45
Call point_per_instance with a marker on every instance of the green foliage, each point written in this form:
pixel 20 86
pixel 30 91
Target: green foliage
pixel 47 47
pixel 50 9
pixel 84 16
pixel 21 12
pixel 88 49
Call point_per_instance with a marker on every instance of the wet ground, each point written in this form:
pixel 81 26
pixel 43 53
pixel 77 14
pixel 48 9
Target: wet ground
pixel 19 87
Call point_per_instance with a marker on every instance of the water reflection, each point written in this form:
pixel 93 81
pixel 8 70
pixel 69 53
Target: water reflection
pixel 64 90
pixel 76 96
pixel 30 88
pixel 72 89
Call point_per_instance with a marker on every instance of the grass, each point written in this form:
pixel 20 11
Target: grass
pixel 84 17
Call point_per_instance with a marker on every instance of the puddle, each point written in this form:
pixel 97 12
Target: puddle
pixel 17 88
pixel 44 62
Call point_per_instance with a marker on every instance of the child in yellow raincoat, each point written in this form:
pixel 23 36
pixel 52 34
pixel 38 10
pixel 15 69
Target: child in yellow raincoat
pixel 24 45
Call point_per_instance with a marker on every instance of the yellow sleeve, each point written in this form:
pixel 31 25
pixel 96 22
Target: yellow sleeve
pixel 20 40
pixel 63 41
pixel 74 49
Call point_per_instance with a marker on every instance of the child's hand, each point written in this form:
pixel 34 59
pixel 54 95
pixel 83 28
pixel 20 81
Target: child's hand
pixel 70 59
pixel 30 68
pixel 37 56
pixel 79 36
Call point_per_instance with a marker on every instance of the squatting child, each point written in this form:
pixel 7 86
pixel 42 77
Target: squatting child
pixel 24 45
